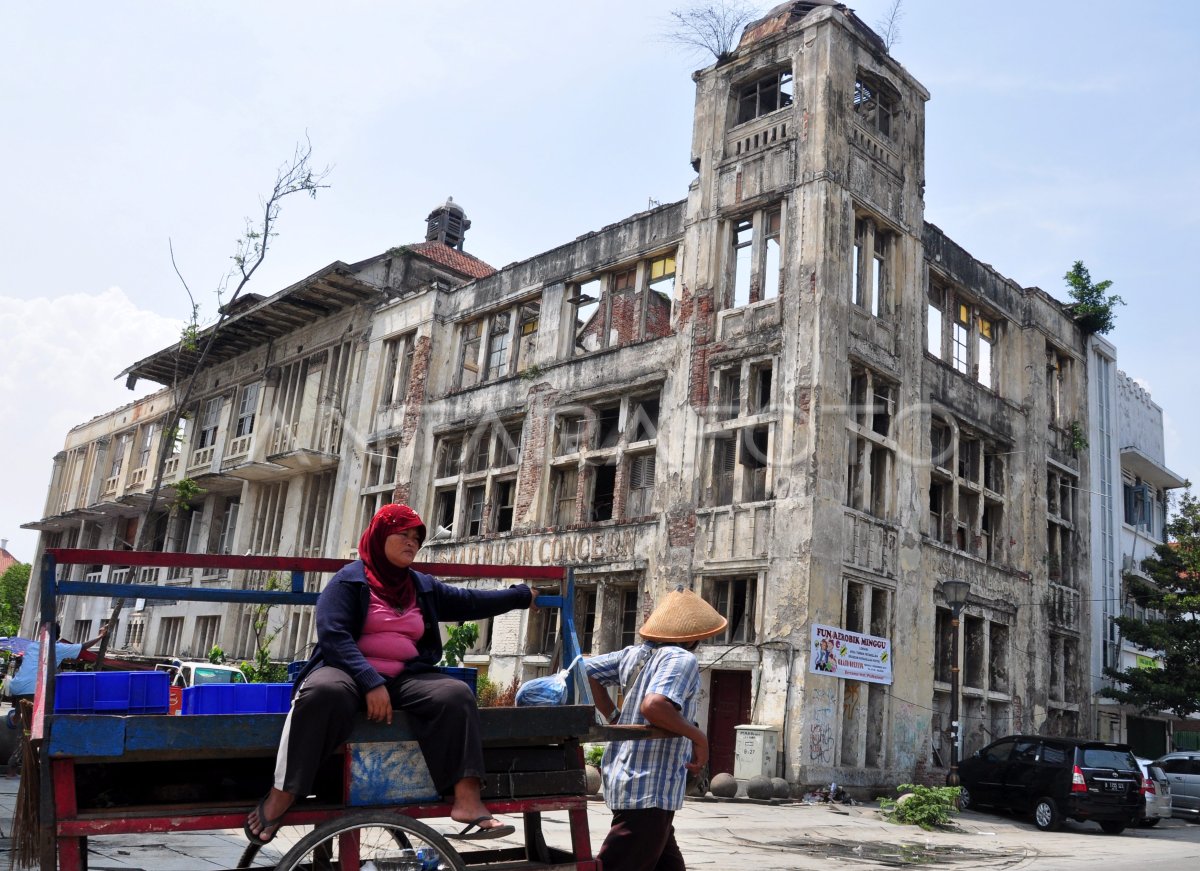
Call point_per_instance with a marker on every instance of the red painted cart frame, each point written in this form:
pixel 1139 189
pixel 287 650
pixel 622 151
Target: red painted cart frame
pixel 68 741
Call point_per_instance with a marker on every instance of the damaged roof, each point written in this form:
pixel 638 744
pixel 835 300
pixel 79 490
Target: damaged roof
pixel 252 320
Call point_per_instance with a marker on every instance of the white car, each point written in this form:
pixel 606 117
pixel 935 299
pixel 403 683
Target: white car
pixel 190 674
pixel 1157 790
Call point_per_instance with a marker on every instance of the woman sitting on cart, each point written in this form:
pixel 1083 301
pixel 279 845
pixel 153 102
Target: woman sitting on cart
pixel 377 642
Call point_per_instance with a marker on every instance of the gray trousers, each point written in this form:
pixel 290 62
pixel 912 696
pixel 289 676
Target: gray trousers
pixel 441 710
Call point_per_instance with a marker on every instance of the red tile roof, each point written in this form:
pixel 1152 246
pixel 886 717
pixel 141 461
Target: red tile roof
pixel 457 260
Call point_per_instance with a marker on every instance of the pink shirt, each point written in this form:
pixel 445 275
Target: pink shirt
pixel 389 637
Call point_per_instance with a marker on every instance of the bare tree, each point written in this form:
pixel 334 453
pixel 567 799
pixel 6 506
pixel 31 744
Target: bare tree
pixel 712 27
pixel 889 25
pixel 293 177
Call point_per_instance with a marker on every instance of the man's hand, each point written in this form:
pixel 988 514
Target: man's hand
pixel 379 705
pixel 533 600
pixel 699 754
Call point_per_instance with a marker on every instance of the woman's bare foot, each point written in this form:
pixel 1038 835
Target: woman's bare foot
pixel 264 820
pixel 469 807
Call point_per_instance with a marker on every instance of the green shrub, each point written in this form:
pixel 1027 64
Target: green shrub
pixel 927 806
pixel 593 754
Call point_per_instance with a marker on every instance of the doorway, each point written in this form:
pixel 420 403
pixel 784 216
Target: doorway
pixel 729 708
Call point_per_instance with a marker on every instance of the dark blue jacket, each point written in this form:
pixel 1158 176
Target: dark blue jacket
pixel 342 612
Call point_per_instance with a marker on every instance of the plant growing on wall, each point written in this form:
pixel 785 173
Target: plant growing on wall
pixel 1094 307
pixel 460 639
pixel 1079 442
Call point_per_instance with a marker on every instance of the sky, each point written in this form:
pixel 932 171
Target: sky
pixel 1057 130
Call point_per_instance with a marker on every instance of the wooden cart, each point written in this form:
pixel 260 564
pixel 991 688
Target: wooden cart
pixel 144 774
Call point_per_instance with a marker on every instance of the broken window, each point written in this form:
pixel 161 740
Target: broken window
pixel 564 485
pixel 572 431
pixel 658 301
pixel 641 485
pixel 724 460
pixel 630 617
pixel 380 462
pixel 608 429
pixel 508 446
pixel 449 456
pixel 623 305
pixel 590 331
pixel 941 450
pixel 585 618
pixel 497 354
pixel 983 354
pixel 478 451
pixel 120 447
pixel 958 337
pixel 445 501
pixel 937 511
pixel 764 95
pixel 870 269
pixel 760 387
pixel 972 345
pixel 149 433
pixel 644 419
pixel 755 452
pixel 604 484
pixel 1057 367
pixel 753 271
pixel 528 319
pixel 875 104
pixel 170 630
pixel 998 679
pixel 246 409
pixel 397 367
pixel 209 419
pixel 474 506
pixel 739 465
pixel 502 508
pixel 600 435
pixel 472 339
pixel 871 451
pixel 729 393
pixel 733 599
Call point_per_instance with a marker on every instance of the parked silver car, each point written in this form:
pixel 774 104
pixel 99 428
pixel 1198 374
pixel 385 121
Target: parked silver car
pixel 1183 770
pixel 1157 790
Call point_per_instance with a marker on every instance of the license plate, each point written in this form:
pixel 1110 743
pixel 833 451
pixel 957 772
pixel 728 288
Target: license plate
pixel 1114 786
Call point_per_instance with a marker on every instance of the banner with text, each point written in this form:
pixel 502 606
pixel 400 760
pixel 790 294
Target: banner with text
pixel 850 655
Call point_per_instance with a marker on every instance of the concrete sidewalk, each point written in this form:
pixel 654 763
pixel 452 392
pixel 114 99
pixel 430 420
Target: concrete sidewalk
pixel 732 834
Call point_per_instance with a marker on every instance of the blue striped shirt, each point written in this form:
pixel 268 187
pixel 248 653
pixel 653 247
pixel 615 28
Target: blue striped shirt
pixel 648 773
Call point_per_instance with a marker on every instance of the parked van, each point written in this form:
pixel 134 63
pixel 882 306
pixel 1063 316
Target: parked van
pixel 1056 778
pixel 1183 770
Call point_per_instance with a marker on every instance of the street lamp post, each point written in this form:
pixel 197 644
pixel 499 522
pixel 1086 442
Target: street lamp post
pixel 955 593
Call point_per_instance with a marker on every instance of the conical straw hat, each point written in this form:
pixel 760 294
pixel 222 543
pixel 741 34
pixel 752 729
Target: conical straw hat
pixel 682 616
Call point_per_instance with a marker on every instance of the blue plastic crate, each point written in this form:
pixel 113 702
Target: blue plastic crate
pixel 238 698
pixel 112 692
pixel 295 667
pixel 469 676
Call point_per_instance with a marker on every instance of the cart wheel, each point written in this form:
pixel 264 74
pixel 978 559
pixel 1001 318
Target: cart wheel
pixel 271 854
pixel 382 837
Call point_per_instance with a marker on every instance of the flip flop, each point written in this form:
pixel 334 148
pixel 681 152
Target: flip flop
pixel 266 824
pixel 481 833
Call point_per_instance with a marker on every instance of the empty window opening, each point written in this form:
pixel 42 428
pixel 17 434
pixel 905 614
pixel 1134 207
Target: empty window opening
pixel 604 482
pixel 765 95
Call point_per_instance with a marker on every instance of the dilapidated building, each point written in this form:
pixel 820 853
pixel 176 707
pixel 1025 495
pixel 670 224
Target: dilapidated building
pixel 786 391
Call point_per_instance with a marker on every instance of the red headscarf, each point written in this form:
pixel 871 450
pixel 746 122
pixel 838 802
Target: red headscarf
pixel 388 582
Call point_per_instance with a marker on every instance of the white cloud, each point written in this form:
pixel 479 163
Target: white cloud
pixel 59 367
